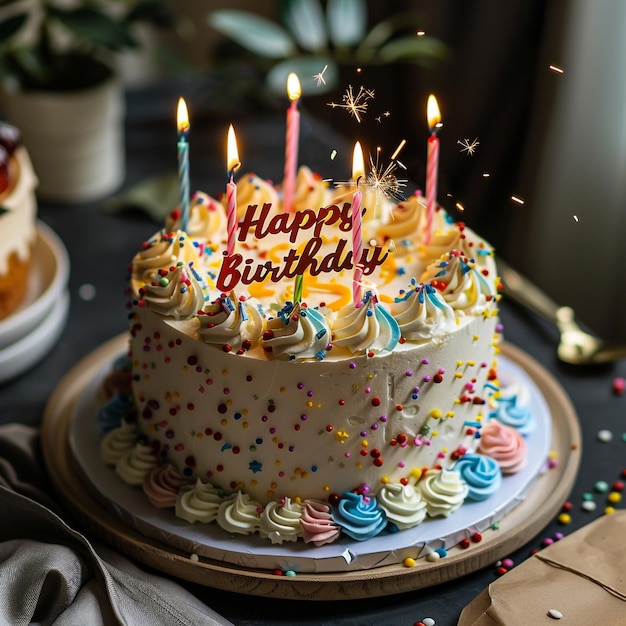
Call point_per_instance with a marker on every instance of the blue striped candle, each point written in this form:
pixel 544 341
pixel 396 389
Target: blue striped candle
pixel 182 119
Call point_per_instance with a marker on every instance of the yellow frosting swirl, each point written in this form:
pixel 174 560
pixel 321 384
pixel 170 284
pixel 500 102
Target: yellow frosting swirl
pixel 443 491
pixel 198 503
pixel 117 442
pixel 135 464
pixel 239 514
pixel 281 521
pixel 403 505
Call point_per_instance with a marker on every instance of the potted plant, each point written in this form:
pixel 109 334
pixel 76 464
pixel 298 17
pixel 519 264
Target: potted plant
pixel 59 86
pixel 317 41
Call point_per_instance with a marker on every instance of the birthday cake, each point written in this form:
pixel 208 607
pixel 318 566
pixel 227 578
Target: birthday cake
pixel 273 388
pixel 18 207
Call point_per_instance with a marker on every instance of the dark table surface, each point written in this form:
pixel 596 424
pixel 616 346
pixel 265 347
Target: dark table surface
pixel 101 243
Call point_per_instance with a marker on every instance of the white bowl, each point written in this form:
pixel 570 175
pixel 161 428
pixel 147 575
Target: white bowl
pixel 34 346
pixel 49 275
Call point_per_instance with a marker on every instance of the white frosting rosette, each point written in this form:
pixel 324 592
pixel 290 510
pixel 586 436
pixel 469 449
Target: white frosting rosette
pixel 366 327
pixel 231 324
pixel 117 442
pixel 403 504
pixel 423 315
pixel 198 503
pixel 460 283
pixel 443 491
pixel 281 521
pixel 135 464
pixel 207 218
pixel 296 333
pixel 239 514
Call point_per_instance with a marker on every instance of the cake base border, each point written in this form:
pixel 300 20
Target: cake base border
pixel 525 521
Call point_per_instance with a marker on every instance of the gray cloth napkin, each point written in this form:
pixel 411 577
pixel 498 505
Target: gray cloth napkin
pixel 51 574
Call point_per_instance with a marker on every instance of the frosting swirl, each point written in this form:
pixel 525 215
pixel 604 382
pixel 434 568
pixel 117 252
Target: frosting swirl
pixel 231 324
pixel 311 191
pixel 239 514
pixel 368 327
pixel 135 464
pixel 251 189
pixel 111 414
pixel 281 521
pixel 359 517
pixel 178 292
pixel 198 503
pixel 423 315
pixel 482 475
pixel 297 332
pixel 504 444
pixel 318 526
pixel 402 504
pixel 207 218
pixel 511 409
pixel 117 442
pixel 161 484
pixel 459 282
pixel 443 491
pixel 162 251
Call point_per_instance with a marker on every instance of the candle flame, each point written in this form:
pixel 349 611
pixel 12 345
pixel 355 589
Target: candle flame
pixel 233 155
pixel 358 166
pixel 182 117
pixel 432 112
pixel 294 90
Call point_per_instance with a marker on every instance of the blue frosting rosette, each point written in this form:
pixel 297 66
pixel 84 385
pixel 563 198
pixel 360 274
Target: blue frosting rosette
pixel 510 413
pixel 360 518
pixel 110 415
pixel 481 473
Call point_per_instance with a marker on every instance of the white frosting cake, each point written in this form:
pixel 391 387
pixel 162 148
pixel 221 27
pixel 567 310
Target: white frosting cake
pixel 18 208
pixel 306 409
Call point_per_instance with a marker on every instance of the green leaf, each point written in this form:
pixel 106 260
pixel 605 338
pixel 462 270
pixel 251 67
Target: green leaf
pixel 254 33
pixel 155 196
pixel 306 67
pixel 95 28
pixel 347 21
pixel 305 20
pixel 11 26
pixel 153 12
pixel 422 49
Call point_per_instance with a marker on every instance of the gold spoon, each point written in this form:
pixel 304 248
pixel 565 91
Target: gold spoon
pixel 576 346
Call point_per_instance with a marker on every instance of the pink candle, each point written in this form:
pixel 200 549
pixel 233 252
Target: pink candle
pixel 231 192
pixel 358 170
pixel 292 137
pixel 432 166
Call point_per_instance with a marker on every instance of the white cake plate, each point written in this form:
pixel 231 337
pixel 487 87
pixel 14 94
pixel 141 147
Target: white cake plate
pixel 347 570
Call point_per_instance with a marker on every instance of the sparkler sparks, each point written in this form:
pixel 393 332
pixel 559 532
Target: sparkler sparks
pixel 319 77
pixel 383 179
pixel 356 105
pixel 468 146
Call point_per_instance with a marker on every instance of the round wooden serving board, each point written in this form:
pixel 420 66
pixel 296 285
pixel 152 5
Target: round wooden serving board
pixel 524 522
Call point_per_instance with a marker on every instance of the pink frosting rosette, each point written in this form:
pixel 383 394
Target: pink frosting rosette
pixel 504 444
pixel 317 523
pixel 161 485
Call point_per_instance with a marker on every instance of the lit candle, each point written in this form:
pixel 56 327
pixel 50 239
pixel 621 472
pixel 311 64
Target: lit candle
pixel 432 165
pixel 231 190
pixel 292 137
pixel 358 170
pixel 182 122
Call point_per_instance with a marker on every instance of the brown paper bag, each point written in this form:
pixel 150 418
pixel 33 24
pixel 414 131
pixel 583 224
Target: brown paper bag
pixel 582 576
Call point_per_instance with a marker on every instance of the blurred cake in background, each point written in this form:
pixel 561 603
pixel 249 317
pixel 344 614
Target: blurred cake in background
pixel 18 210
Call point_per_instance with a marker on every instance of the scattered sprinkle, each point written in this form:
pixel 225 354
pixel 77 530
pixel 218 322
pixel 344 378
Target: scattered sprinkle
pixel 554 614
pixel 619 384
pixel 194 557
pixel 87 292
pixel 605 436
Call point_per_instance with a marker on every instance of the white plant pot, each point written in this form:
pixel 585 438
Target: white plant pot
pixel 75 139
